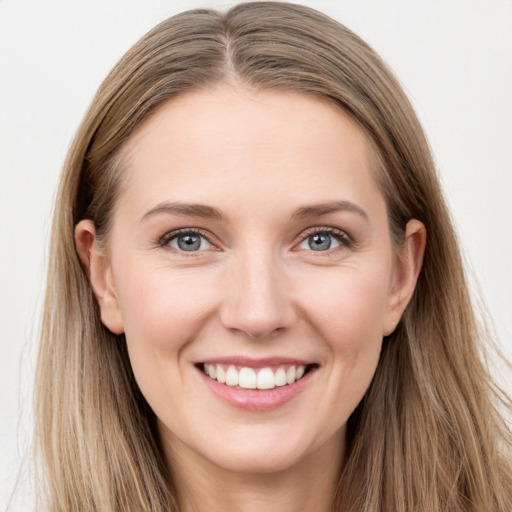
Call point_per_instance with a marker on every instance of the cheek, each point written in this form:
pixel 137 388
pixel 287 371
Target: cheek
pixel 162 309
pixel 348 313
pixel 348 306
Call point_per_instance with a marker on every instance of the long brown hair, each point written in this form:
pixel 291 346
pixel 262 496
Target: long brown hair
pixel 427 435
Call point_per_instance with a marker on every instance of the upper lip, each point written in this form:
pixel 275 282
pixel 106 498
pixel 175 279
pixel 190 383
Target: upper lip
pixel 256 362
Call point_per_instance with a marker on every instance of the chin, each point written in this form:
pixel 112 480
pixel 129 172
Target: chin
pixel 260 460
pixel 267 451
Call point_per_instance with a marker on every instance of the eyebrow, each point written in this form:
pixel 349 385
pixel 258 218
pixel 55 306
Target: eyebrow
pixel 209 212
pixel 316 210
pixel 194 210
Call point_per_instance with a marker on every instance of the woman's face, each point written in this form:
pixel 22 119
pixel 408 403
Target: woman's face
pixel 250 241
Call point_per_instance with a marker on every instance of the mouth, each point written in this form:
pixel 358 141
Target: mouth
pixel 263 377
pixel 257 384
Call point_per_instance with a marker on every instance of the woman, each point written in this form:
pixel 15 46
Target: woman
pixel 256 299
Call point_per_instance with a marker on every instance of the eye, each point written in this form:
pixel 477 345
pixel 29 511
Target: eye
pixel 322 240
pixel 186 240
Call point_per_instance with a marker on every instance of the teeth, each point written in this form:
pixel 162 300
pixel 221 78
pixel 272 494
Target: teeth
pixel 280 377
pixel 248 378
pixel 212 371
pixel 232 376
pixel 265 379
pixel 221 374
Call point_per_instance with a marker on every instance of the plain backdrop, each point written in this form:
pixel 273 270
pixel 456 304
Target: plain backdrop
pixel 454 59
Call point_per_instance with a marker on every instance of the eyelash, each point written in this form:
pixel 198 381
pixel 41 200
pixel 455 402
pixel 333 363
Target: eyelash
pixel 341 236
pixel 168 237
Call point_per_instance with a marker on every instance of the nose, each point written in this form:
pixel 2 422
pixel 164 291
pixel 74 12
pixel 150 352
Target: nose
pixel 257 297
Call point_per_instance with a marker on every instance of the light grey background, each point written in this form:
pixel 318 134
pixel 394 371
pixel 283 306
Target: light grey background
pixel 454 59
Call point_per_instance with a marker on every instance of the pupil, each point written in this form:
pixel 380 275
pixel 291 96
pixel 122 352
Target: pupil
pixel 189 242
pixel 319 242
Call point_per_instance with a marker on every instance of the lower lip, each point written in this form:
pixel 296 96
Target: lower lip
pixel 254 399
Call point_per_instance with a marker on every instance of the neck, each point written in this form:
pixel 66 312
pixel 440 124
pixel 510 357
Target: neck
pixel 309 484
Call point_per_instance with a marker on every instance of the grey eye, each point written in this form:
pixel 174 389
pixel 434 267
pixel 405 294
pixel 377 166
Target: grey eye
pixel 319 242
pixel 189 242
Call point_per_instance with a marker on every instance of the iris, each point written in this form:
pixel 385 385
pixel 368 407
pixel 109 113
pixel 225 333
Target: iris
pixel 319 242
pixel 189 242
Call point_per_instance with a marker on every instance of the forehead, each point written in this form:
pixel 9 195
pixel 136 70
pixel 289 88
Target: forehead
pixel 230 141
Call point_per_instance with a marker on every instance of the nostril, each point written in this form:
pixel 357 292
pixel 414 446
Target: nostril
pixel 256 334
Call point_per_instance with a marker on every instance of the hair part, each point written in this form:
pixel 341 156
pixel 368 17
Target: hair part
pixel 425 436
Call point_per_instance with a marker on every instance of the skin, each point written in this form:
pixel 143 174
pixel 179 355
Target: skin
pixel 255 289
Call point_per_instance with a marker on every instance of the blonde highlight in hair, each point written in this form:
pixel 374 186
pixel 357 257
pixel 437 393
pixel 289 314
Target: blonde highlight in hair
pixel 426 437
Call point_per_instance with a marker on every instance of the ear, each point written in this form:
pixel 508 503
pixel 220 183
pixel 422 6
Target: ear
pixel 408 262
pixel 99 271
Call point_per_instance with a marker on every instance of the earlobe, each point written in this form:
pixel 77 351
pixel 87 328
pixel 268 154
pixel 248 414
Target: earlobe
pixel 98 268
pixel 409 260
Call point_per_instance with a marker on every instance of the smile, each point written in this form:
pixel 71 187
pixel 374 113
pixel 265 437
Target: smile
pixel 264 378
pixel 257 384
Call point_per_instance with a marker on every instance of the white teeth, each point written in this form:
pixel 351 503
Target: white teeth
pixel 232 376
pixel 212 372
pixel 248 378
pixel 265 379
pixel 280 377
pixel 221 374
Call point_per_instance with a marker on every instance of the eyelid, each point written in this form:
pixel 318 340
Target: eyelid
pixel 342 236
pixel 164 240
